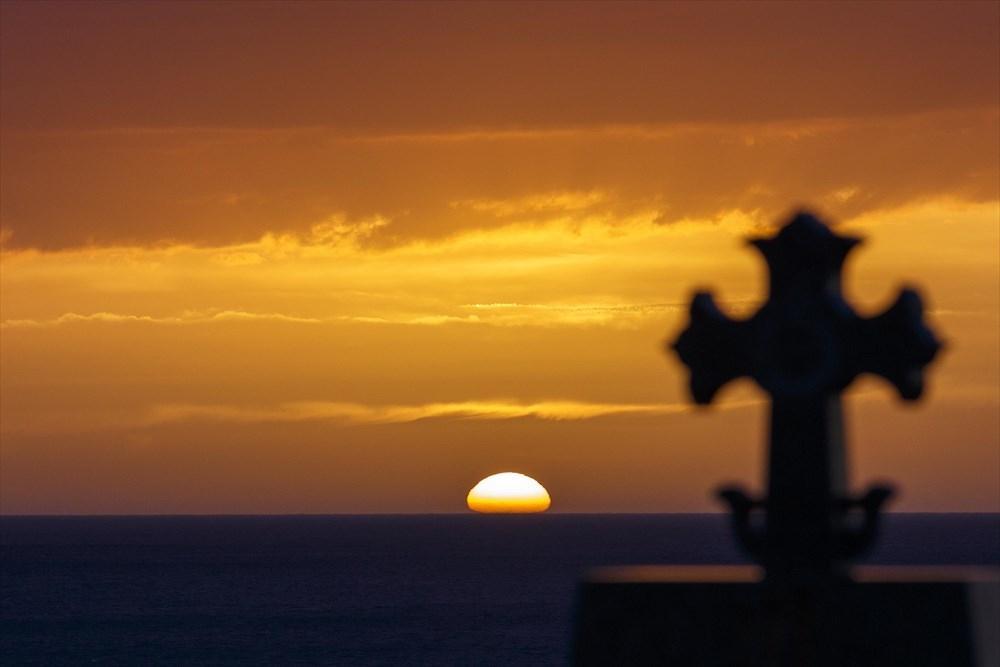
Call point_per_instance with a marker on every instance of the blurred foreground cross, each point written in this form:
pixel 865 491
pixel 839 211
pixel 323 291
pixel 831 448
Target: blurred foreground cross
pixel 804 346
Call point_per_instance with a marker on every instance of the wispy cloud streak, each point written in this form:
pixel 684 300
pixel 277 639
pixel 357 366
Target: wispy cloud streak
pixel 184 318
pixel 358 413
pixel 493 314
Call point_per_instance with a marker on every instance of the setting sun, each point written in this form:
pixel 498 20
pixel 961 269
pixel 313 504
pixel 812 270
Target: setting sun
pixel 508 493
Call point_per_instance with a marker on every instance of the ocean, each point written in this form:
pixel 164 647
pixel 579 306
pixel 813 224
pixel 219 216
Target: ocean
pixel 356 590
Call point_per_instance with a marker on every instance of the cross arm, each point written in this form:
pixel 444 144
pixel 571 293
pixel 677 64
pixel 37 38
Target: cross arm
pixel 897 344
pixel 713 347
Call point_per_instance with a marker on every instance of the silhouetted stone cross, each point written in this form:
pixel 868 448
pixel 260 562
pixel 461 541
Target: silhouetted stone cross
pixel 804 346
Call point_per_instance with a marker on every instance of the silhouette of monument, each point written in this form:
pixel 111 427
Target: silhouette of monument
pixel 807 607
pixel 804 346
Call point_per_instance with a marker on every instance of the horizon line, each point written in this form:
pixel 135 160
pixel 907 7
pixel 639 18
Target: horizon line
pixel 419 514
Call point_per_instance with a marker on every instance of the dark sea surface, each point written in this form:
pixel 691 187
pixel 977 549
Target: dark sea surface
pixel 355 590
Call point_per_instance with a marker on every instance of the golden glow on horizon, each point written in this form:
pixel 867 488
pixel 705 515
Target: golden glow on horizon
pixel 508 493
pixel 302 337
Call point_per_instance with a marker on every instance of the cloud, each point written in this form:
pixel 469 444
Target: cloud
pixel 588 269
pixel 184 318
pixel 337 230
pixel 478 410
pixel 522 274
pixel 395 414
pixel 352 64
pixel 616 315
pixel 535 204
pixel 437 184
pixel 502 314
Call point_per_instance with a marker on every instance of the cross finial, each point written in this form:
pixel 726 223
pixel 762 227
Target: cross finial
pixel 804 346
pixel 805 254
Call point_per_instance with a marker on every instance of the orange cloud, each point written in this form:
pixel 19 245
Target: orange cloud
pixel 70 189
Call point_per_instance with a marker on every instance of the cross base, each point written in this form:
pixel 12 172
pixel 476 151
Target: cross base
pixel 844 542
pixel 706 616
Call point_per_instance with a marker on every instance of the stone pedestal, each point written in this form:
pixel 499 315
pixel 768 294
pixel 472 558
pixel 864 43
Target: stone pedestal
pixel 705 616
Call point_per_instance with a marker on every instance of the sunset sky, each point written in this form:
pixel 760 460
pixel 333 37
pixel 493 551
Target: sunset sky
pixel 356 257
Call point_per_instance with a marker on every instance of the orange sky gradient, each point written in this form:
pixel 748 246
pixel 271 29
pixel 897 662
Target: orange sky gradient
pixel 305 257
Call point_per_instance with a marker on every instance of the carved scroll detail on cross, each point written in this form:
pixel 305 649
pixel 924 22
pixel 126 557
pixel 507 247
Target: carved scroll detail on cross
pixel 804 346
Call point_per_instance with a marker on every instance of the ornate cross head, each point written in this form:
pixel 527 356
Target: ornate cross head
pixel 806 340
